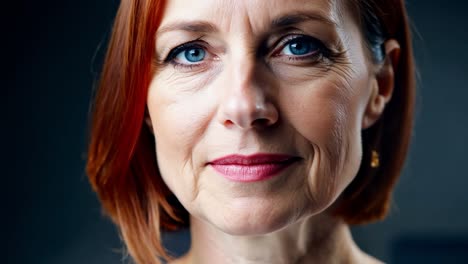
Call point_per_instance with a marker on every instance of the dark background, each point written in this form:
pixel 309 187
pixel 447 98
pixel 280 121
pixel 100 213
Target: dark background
pixel 52 51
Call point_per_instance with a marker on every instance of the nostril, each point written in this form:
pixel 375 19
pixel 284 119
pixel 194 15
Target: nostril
pixel 228 123
pixel 261 122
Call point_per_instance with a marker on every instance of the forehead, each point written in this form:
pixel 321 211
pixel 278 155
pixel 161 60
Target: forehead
pixel 252 15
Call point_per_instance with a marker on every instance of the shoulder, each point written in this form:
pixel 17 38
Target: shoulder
pixel 367 259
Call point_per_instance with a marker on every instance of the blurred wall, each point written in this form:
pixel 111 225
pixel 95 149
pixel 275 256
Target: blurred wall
pixel 56 217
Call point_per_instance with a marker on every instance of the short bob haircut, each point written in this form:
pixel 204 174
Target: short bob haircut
pixel 122 165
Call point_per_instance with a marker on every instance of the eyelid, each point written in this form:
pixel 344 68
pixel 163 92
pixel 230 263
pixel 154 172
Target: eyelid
pixel 178 49
pixel 280 44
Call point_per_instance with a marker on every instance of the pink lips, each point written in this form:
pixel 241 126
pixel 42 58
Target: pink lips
pixel 252 168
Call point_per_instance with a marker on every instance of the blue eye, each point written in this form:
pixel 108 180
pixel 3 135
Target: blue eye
pixel 191 55
pixel 300 46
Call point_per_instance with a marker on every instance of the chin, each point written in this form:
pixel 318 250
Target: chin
pixel 265 209
pixel 251 218
pixel 252 227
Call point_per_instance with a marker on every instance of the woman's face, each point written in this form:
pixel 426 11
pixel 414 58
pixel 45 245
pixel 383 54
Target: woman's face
pixel 257 108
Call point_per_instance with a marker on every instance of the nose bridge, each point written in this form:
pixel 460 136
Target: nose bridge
pixel 242 79
pixel 245 99
pixel 243 62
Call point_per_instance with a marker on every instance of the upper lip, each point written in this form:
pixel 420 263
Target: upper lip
pixel 255 159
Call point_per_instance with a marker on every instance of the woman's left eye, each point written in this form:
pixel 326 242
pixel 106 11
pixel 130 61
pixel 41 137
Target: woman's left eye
pixel 300 46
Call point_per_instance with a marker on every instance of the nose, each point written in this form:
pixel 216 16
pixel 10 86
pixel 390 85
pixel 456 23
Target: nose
pixel 247 101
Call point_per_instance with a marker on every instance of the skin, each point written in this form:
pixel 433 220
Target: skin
pixel 250 95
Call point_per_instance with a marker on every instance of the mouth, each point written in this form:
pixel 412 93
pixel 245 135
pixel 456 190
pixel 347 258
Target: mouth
pixel 252 168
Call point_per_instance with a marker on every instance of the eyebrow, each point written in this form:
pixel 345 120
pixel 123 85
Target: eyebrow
pixel 189 26
pixel 299 17
pixel 280 22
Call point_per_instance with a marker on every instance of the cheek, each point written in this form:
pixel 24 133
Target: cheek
pixel 326 113
pixel 179 120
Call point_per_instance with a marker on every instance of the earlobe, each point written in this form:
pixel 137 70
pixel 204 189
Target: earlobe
pixel 383 84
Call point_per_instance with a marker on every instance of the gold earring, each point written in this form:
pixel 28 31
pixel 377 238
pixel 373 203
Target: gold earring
pixel 375 160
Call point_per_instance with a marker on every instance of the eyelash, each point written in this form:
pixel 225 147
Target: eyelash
pixel 316 55
pixel 322 52
pixel 182 48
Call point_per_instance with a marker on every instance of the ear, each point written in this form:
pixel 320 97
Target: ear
pixel 383 84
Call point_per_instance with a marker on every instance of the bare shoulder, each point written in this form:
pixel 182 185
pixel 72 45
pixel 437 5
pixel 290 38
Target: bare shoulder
pixel 368 259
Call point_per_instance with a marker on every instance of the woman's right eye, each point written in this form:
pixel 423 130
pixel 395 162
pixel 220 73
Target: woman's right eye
pixel 189 54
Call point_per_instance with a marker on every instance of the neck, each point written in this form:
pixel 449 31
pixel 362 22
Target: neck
pixel 317 239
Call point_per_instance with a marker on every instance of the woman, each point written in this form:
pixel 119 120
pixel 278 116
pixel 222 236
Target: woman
pixel 268 127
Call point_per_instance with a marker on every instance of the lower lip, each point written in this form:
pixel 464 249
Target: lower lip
pixel 251 173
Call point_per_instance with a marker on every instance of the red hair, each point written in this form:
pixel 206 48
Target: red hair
pixel 121 156
pixel 122 165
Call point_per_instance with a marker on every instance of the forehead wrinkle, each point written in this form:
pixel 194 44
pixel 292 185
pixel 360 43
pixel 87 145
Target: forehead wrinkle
pixel 231 15
pixel 189 26
pixel 227 14
pixel 249 19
